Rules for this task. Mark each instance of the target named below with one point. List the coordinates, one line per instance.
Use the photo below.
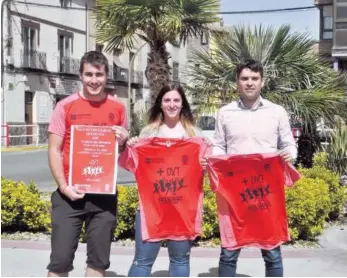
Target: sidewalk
(30, 258)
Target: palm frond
(294, 75)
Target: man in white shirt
(252, 125)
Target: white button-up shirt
(261, 129)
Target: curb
(197, 252)
(18, 149)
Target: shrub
(127, 207)
(337, 192)
(337, 151)
(320, 159)
(308, 205)
(22, 209)
(210, 227)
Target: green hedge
(22, 209)
(309, 203)
(336, 192)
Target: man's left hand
(285, 155)
(121, 134)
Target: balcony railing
(33, 59)
(122, 75)
(68, 65)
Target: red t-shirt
(75, 110)
(251, 199)
(169, 179)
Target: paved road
(33, 165)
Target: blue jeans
(147, 252)
(272, 258)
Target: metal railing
(24, 135)
(5, 135)
(33, 59)
(68, 65)
(122, 74)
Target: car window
(206, 123)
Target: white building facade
(43, 42)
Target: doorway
(29, 116)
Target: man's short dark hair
(94, 58)
(253, 65)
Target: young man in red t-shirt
(71, 207)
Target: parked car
(207, 125)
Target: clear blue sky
(302, 21)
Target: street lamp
(129, 81)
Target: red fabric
(169, 179)
(74, 110)
(253, 188)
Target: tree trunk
(158, 69)
(308, 144)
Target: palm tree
(120, 23)
(295, 77)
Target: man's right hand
(72, 193)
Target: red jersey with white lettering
(170, 184)
(75, 110)
(251, 199)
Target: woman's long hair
(156, 115)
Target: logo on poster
(92, 171)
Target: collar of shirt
(242, 106)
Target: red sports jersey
(251, 199)
(169, 179)
(75, 110)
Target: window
(175, 71)
(29, 39)
(327, 23)
(341, 11)
(65, 43)
(65, 3)
(328, 28)
(65, 47)
(30, 36)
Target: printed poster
(93, 159)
